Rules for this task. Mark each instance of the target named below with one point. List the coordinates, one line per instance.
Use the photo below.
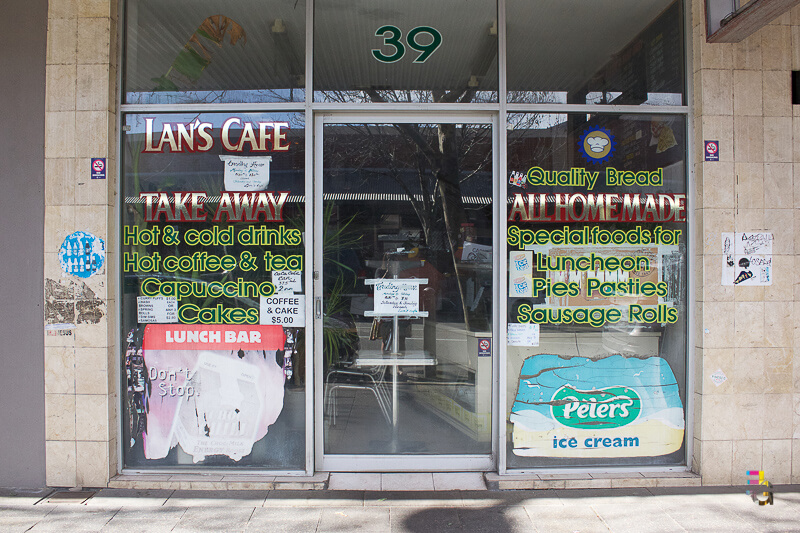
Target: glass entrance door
(404, 218)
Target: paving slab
(439, 519)
(347, 519)
(313, 498)
(145, 519)
(116, 498)
(214, 519)
(642, 518)
(215, 498)
(574, 516)
(284, 519)
(17, 518)
(74, 517)
(495, 519)
(412, 498)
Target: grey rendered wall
(22, 88)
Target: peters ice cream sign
(611, 407)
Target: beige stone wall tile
(113, 459)
(716, 221)
(62, 36)
(778, 416)
(796, 173)
(717, 87)
(59, 135)
(60, 87)
(87, 190)
(93, 219)
(91, 371)
(92, 134)
(748, 294)
(747, 53)
(93, 41)
(714, 56)
(718, 180)
(59, 186)
(111, 316)
(91, 413)
(783, 279)
(779, 324)
(59, 413)
(749, 220)
(59, 222)
(796, 277)
(92, 464)
(795, 461)
(717, 128)
(93, 87)
(749, 319)
(713, 290)
(93, 335)
(697, 455)
(778, 145)
(699, 340)
(777, 93)
(780, 223)
(59, 370)
(748, 373)
(778, 182)
(747, 92)
(749, 185)
(746, 456)
(776, 45)
(94, 8)
(715, 463)
(795, 31)
(745, 416)
(718, 327)
(715, 359)
(776, 459)
(60, 464)
(796, 417)
(748, 139)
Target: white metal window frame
(318, 113)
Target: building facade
(324, 237)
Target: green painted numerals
(392, 35)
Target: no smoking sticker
(484, 347)
(712, 150)
(98, 168)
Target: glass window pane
(207, 51)
(414, 51)
(621, 52)
(597, 303)
(407, 288)
(212, 290)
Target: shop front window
(212, 52)
(411, 52)
(213, 292)
(597, 290)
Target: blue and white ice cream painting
(611, 407)
(82, 254)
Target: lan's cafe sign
(616, 406)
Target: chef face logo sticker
(596, 145)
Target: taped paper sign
(284, 309)
(612, 407)
(396, 297)
(157, 309)
(213, 389)
(747, 259)
(476, 253)
(523, 334)
(287, 280)
(245, 174)
(520, 274)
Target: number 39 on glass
(392, 36)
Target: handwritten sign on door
(396, 297)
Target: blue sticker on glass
(82, 254)
(597, 145)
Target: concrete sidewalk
(701, 509)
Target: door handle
(317, 307)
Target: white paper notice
(287, 310)
(476, 253)
(396, 297)
(157, 309)
(520, 274)
(287, 280)
(245, 174)
(523, 334)
(747, 259)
